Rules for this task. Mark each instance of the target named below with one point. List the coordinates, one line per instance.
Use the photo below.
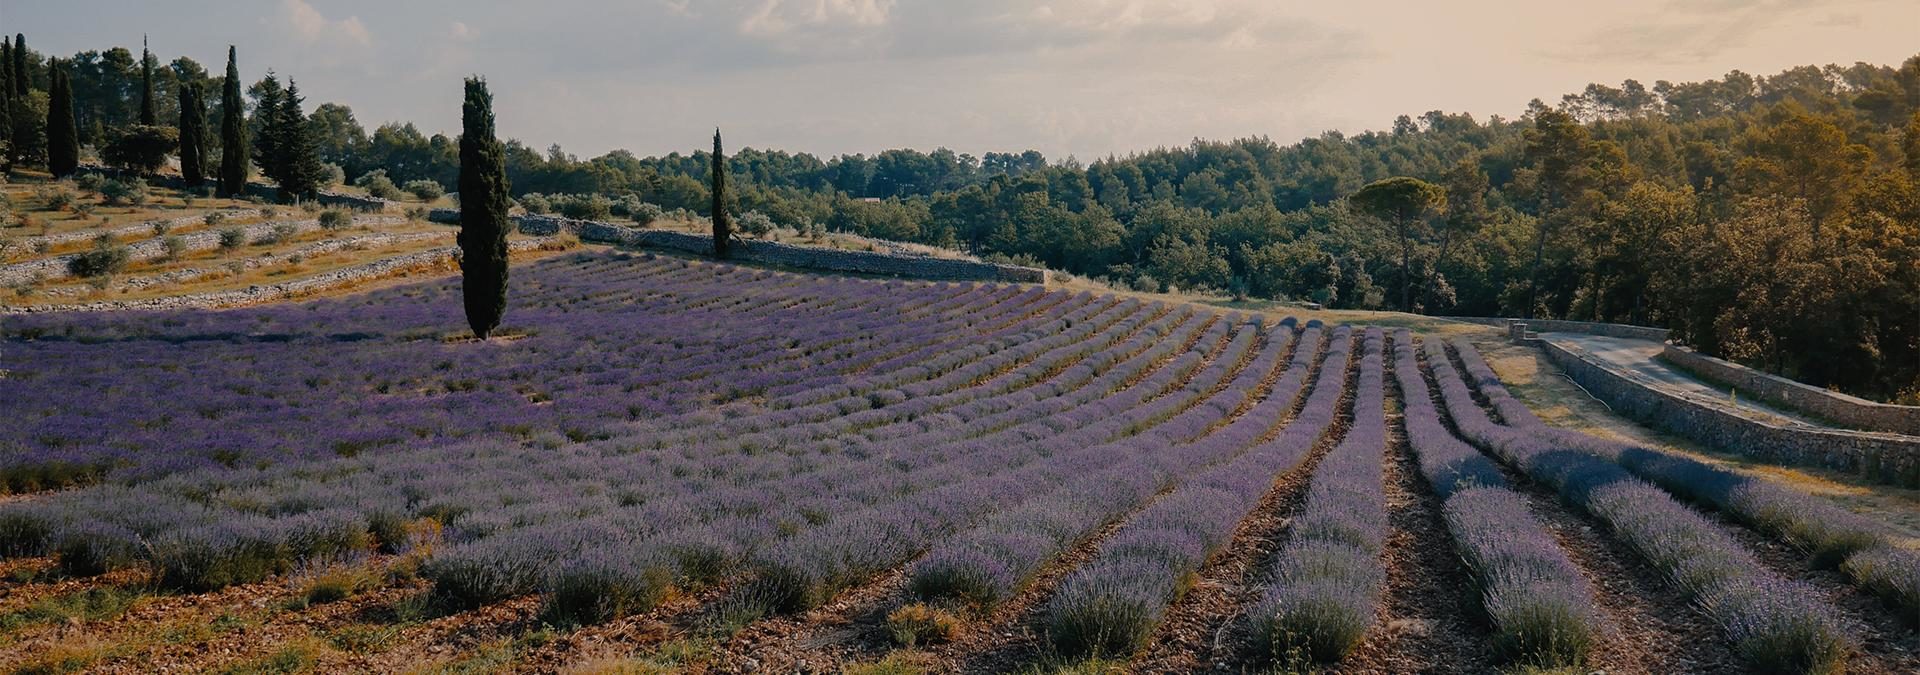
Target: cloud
(1684, 31)
(459, 31)
(314, 28)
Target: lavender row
(989, 563)
(1113, 603)
(1831, 536)
(1540, 605)
(1775, 624)
(1329, 576)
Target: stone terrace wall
(1842, 409)
(1879, 457)
(262, 190)
(774, 253)
(1618, 330)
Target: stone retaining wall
(261, 190)
(253, 295)
(145, 229)
(1879, 457)
(55, 267)
(773, 253)
(1842, 409)
(1618, 330)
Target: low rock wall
(1841, 409)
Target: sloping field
(669, 465)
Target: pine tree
(299, 157)
(264, 128)
(63, 136)
(722, 225)
(483, 212)
(193, 133)
(233, 132)
(146, 85)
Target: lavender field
(661, 463)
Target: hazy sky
(1080, 77)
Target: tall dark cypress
(147, 116)
(6, 97)
(193, 133)
(63, 136)
(722, 225)
(233, 132)
(483, 212)
(20, 75)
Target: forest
(1773, 220)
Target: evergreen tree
(264, 127)
(6, 96)
(298, 158)
(483, 212)
(722, 225)
(63, 136)
(233, 132)
(146, 85)
(20, 74)
(23, 128)
(193, 133)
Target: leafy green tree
(1406, 205)
(1559, 148)
(264, 128)
(722, 223)
(141, 148)
(233, 132)
(193, 133)
(483, 212)
(63, 138)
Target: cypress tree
(6, 96)
(299, 158)
(20, 74)
(265, 129)
(483, 212)
(63, 136)
(233, 132)
(722, 226)
(146, 85)
(193, 133)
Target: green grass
(93, 604)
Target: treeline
(1770, 219)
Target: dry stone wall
(775, 253)
(1840, 408)
(253, 295)
(55, 267)
(1588, 327)
(1881, 457)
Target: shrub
(280, 233)
(141, 147)
(214, 218)
(56, 197)
(646, 213)
(232, 238)
(1891, 573)
(334, 219)
(418, 214)
(585, 207)
(130, 192)
(921, 624)
(425, 190)
(377, 184)
(174, 247)
(94, 549)
(216, 556)
(84, 209)
(535, 203)
(90, 182)
(106, 259)
(755, 223)
(331, 175)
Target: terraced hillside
(668, 465)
